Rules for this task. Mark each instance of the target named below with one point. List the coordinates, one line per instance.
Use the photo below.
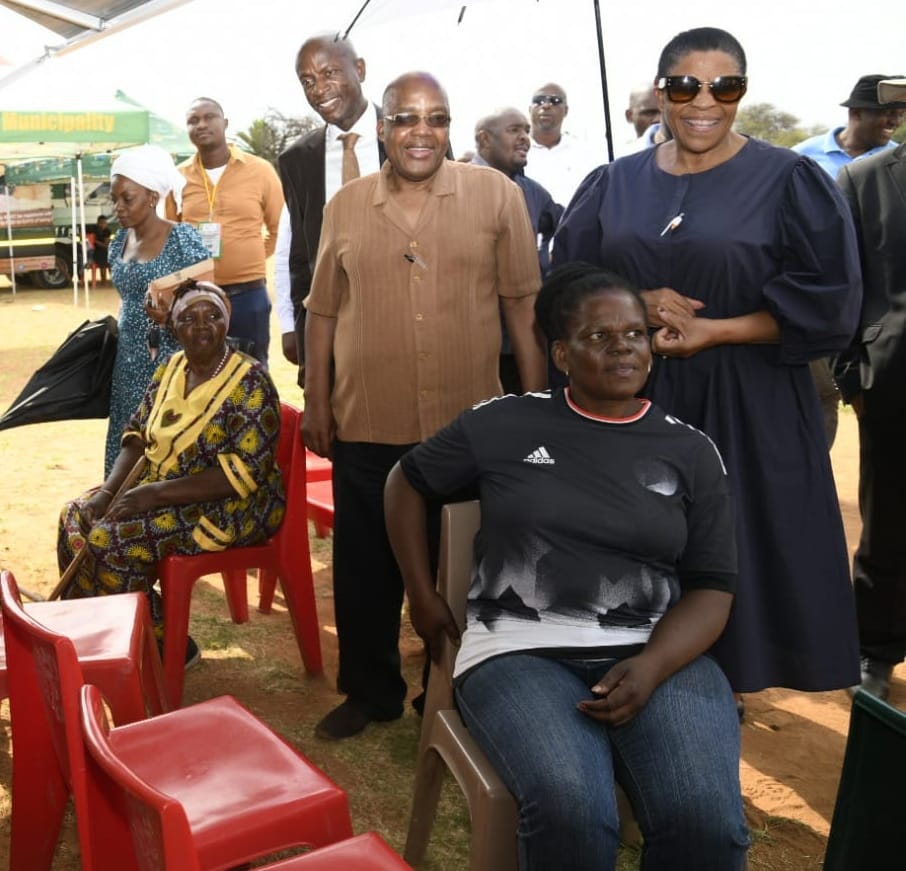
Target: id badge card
(211, 238)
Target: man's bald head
(643, 110)
(331, 74)
(547, 110)
(502, 140)
(391, 98)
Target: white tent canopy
(81, 23)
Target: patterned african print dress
(134, 364)
(231, 422)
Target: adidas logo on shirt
(540, 457)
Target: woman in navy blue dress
(749, 267)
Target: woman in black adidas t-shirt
(605, 568)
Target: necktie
(350, 161)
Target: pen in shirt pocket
(673, 223)
(414, 258)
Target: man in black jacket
(314, 167)
(872, 376)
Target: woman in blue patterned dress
(146, 247)
(208, 428)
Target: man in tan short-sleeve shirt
(413, 265)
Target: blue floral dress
(134, 365)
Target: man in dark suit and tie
(314, 167)
(873, 378)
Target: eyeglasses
(553, 99)
(683, 89)
(410, 119)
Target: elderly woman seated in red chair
(205, 438)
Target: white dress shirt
(366, 152)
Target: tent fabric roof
(101, 11)
(94, 15)
(81, 23)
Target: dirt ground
(793, 742)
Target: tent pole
(72, 233)
(84, 236)
(600, 34)
(9, 238)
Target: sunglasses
(683, 89)
(541, 99)
(410, 119)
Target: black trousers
(879, 567)
(368, 588)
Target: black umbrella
(74, 383)
(599, 31)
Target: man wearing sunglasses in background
(558, 160)
(872, 375)
(314, 168)
(414, 263)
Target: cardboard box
(160, 291)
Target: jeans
(250, 319)
(677, 760)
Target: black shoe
(876, 677)
(418, 704)
(343, 721)
(349, 719)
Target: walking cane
(63, 586)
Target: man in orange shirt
(231, 196)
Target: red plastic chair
(247, 793)
(320, 506)
(210, 782)
(367, 852)
(317, 468)
(286, 556)
(162, 834)
(114, 644)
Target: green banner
(87, 127)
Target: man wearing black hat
(872, 376)
(868, 130)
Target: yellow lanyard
(210, 192)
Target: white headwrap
(151, 167)
(204, 291)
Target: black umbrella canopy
(456, 10)
(74, 383)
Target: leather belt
(232, 290)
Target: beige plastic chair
(445, 741)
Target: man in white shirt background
(558, 160)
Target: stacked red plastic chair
(246, 792)
(113, 642)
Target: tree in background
(270, 135)
(764, 121)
